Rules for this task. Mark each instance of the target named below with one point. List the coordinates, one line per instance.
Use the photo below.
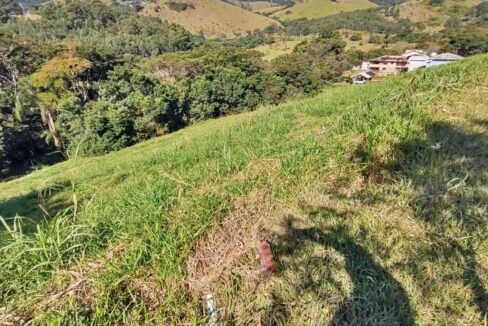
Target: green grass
(374, 200)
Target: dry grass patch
(214, 18)
(225, 262)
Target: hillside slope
(214, 18)
(434, 17)
(373, 198)
(321, 8)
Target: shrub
(356, 37)
(180, 6)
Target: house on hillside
(363, 77)
(386, 65)
(410, 60)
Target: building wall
(413, 65)
(434, 63)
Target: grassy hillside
(256, 6)
(373, 198)
(434, 16)
(281, 47)
(321, 8)
(214, 18)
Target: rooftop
(446, 56)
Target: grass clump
(374, 199)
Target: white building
(410, 60)
(363, 77)
(418, 61)
(413, 52)
(443, 58)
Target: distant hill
(433, 14)
(214, 18)
(321, 8)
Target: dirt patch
(228, 249)
(226, 264)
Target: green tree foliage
(313, 63)
(20, 142)
(356, 37)
(465, 40)
(55, 73)
(15, 143)
(9, 8)
(117, 28)
(59, 82)
(370, 20)
(104, 128)
(179, 6)
(218, 81)
(479, 13)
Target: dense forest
(87, 78)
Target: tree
(479, 13)
(18, 58)
(466, 40)
(356, 37)
(9, 8)
(57, 82)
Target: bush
(376, 39)
(180, 6)
(356, 37)
(106, 128)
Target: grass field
(272, 51)
(214, 18)
(374, 199)
(321, 8)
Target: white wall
(434, 63)
(413, 65)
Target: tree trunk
(53, 130)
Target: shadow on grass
(449, 169)
(376, 298)
(35, 206)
